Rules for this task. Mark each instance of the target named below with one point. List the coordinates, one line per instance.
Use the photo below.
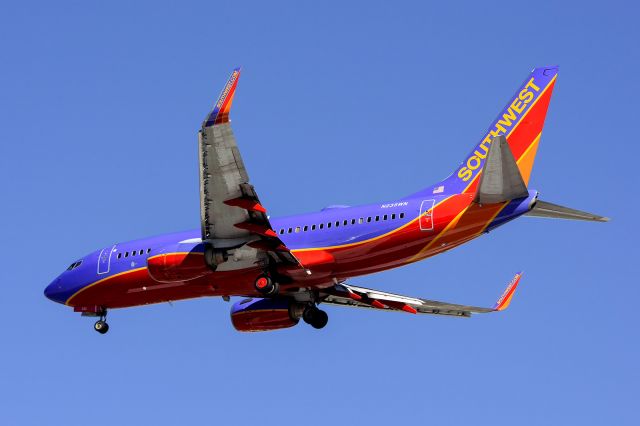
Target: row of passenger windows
(133, 253)
(344, 222)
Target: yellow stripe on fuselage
(370, 239)
(99, 281)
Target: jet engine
(176, 263)
(256, 314)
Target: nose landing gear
(101, 325)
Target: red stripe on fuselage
(456, 220)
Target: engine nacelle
(252, 315)
(176, 263)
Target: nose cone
(55, 292)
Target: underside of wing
(359, 297)
(231, 215)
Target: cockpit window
(74, 265)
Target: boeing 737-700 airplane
(285, 267)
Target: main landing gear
(266, 286)
(315, 317)
(101, 325)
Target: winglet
(505, 299)
(220, 112)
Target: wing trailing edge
(358, 297)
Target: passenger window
(148, 251)
(361, 220)
(126, 254)
(329, 225)
(306, 228)
(401, 215)
(384, 217)
(133, 253)
(297, 229)
(377, 218)
(119, 255)
(290, 230)
(337, 223)
(393, 216)
(321, 225)
(313, 227)
(369, 219)
(353, 221)
(281, 230)
(345, 222)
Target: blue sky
(339, 103)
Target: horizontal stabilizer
(544, 209)
(500, 179)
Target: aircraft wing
(358, 297)
(230, 212)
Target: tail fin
(544, 209)
(521, 121)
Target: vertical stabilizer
(521, 122)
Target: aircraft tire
(315, 317)
(101, 326)
(320, 319)
(265, 285)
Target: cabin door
(426, 215)
(104, 260)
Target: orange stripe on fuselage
(467, 225)
(456, 221)
(409, 225)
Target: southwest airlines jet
(283, 268)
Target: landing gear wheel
(266, 286)
(315, 317)
(101, 326)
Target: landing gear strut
(265, 285)
(101, 325)
(315, 317)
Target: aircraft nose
(54, 291)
